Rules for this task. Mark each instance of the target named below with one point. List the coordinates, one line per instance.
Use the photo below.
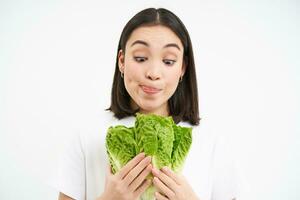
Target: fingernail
(142, 154)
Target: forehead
(156, 36)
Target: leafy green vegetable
(157, 136)
(120, 145)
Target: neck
(159, 112)
(162, 111)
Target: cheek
(132, 78)
(133, 73)
(171, 80)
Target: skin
(156, 60)
(154, 65)
(171, 186)
(127, 184)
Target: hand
(171, 186)
(130, 182)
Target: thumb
(108, 174)
(109, 170)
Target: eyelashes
(169, 62)
(140, 59)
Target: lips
(149, 89)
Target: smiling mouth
(150, 90)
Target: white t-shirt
(210, 167)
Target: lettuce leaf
(157, 136)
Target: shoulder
(94, 127)
(105, 117)
(202, 150)
(203, 134)
(207, 138)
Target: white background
(56, 65)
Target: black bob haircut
(183, 104)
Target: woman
(155, 73)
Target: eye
(169, 62)
(140, 59)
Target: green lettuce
(160, 137)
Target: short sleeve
(228, 179)
(70, 178)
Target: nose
(153, 72)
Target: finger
(137, 170)
(159, 196)
(109, 174)
(142, 188)
(171, 174)
(165, 179)
(139, 180)
(162, 187)
(131, 164)
(109, 170)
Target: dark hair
(183, 104)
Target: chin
(148, 108)
(151, 106)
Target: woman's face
(152, 66)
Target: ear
(121, 60)
(183, 68)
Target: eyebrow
(146, 44)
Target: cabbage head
(160, 137)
